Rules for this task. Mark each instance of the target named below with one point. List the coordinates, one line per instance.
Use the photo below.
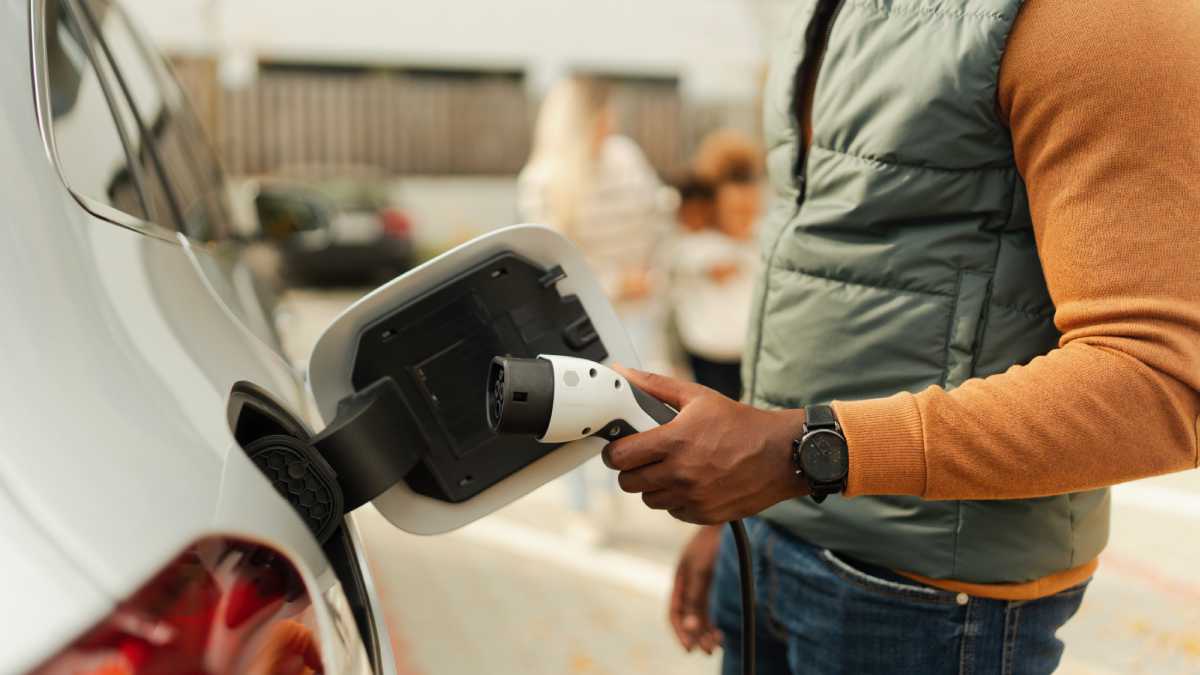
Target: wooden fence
(405, 122)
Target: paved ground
(513, 594)
(502, 598)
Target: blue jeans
(819, 613)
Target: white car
(140, 367)
(127, 511)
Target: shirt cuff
(887, 446)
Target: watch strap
(820, 417)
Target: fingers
(675, 613)
(695, 623)
(689, 622)
(688, 515)
(710, 638)
(676, 504)
(660, 500)
(638, 450)
(675, 393)
(648, 447)
(645, 479)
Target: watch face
(823, 457)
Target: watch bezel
(800, 457)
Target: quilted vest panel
(899, 255)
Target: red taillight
(395, 223)
(221, 606)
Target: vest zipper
(805, 83)
(816, 40)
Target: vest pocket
(962, 339)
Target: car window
(159, 109)
(88, 138)
(204, 157)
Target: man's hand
(689, 596)
(719, 460)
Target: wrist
(788, 426)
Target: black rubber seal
(303, 478)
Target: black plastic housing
(520, 395)
(439, 347)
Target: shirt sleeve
(1103, 100)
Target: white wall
(716, 47)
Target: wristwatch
(820, 457)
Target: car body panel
(332, 363)
(119, 356)
(47, 599)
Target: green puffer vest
(898, 255)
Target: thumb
(673, 392)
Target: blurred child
(715, 259)
(696, 204)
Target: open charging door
(519, 291)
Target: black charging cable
(746, 573)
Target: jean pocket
(896, 588)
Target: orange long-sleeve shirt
(1103, 100)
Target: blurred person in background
(695, 212)
(714, 260)
(597, 187)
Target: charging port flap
(414, 356)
